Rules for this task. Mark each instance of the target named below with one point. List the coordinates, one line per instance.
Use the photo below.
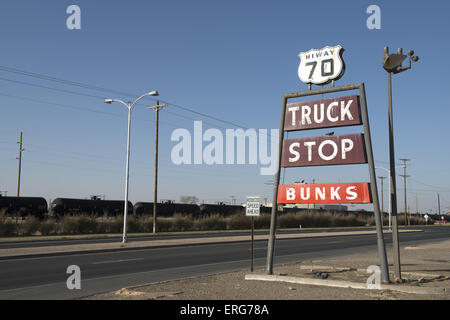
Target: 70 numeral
(324, 73)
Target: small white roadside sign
(252, 207)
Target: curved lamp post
(392, 63)
(130, 106)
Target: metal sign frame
(370, 162)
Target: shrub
(48, 227)
(77, 225)
(133, 224)
(30, 226)
(162, 224)
(262, 222)
(114, 225)
(211, 222)
(87, 224)
(289, 220)
(7, 227)
(182, 223)
(238, 222)
(146, 224)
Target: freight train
(65, 206)
(23, 206)
(33, 206)
(37, 206)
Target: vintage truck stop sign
(325, 65)
(320, 66)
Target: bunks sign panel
(324, 193)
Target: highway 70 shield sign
(320, 66)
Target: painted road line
(117, 261)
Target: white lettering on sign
(290, 193)
(351, 192)
(346, 146)
(323, 113)
(324, 150)
(335, 193)
(252, 206)
(357, 192)
(319, 115)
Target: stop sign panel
(325, 150)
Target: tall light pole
(392, 63)
(129, 106)
(155, 189)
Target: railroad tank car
(221, 209)
(68, 206)
(24, 206)
(166, 209)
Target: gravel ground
(422, 261)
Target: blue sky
(231, 60)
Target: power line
(64, 81)
(97, 88)
(80, 108)
(429, 185)
(85, 95)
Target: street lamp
(392, 63)
(130, 106)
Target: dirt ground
(422, 266)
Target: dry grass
(85, 224)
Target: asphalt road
(45, 277)
(62, 242)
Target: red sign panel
(324, 193)
(324, 113)
(325, 150)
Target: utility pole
(155, 189)
(382, 198)
(20, 163)
(439, 206)
(409, 215)
(417, 204)
(404, 175)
